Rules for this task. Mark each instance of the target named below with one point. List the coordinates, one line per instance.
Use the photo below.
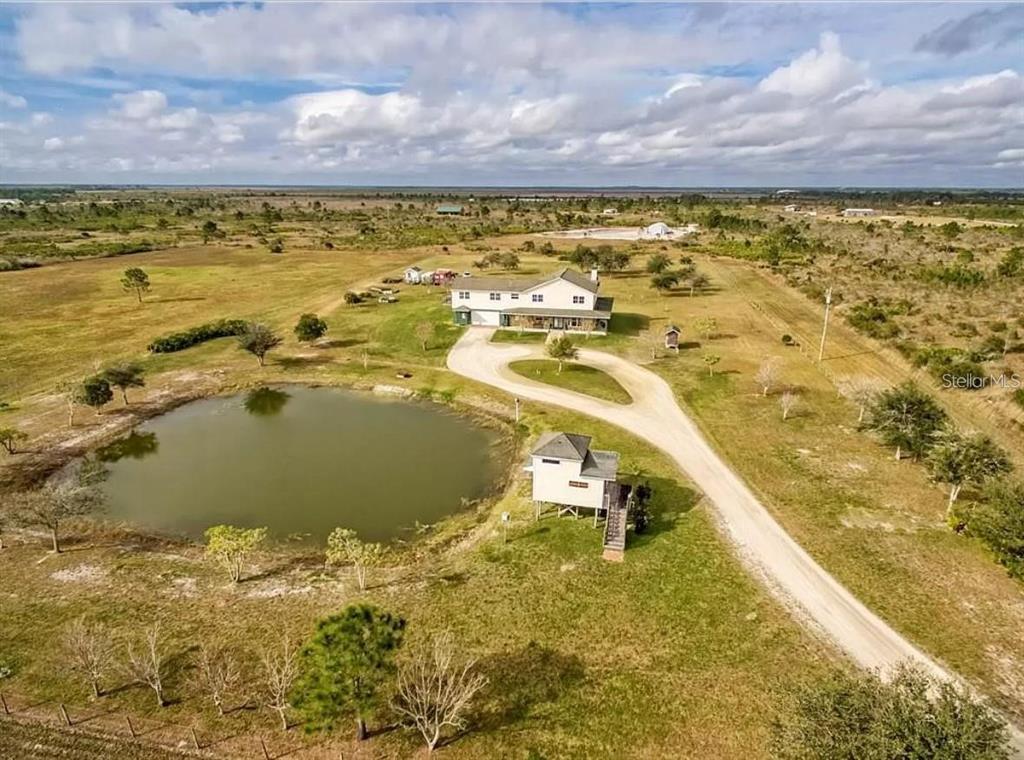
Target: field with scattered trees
(903, 483)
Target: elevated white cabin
(413, 275)
(567, 472)
(566, 300)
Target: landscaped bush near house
(179, 341)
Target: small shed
(672, 334)
(413, 275)
(449, 209)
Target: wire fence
(107, 723)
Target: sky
(361, 93)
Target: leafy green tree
(861, 717)
(94, 392)
(310, 327)
(965, 460)
(345, 548)
(906, 418)
(562, 349)
(346, 666)
(124, 376)
(658, 263)
(135, 281)
(230, 547)
(697, 281)
(663, 282)
(209, 230)
(11, 438)
(999, 522)
(258, 340)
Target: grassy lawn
(678, 651)
(514, 336)
(573, 377)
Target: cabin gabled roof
(570, 446)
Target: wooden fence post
(3, 704)
(195, 738)
(64, 714)
(131, 728)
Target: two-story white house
(567, 472)
(566, 300)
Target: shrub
(179, 341)
(999, 522)
(787, 340)
(873, 319)
(351, 297)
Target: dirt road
(763, 545)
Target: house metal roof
(563, 446)
(523, 284)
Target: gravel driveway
(763, 545)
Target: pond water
(300, 461)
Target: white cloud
(823, 72)
(10, 100)
(53, 143)
(142, 104)
(496, 93)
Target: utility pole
(517, 409)
(824, 329)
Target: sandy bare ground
(611, 233)
(763, 545)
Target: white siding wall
(558, 295)
(481, 299)
(551, 484)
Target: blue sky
(571, 94)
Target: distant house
(610, 212)
(449, 209)
(566, 300)
(413, 275)
(567, 472)
(11, 202)
(672, 334)
(791, 208)
(853, 212)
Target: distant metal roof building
(449, 208)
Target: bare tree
(789, 401)
(146, 663)
(90, 652)
(217, 673)
(861, 391)
(280, 669)
(48, 507)
(434, 691)
(424, 333)
(768, 374)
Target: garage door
(488, 318)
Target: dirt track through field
(790, 572)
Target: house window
(495, 296)
(551, 461)
(537, 298)
(464, 295)
(578, 484)
(515, 296)
(578, 299)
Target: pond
(300, 461)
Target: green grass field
(573, 377)
(677, 650)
